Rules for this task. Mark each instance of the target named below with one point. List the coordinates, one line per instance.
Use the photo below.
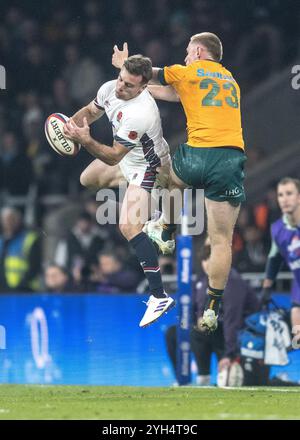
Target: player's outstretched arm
(109, 155)
(165, 93)
(155, 73)
(90, 112)
(119, 56)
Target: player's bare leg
(162, 231)
(170, 215)
(221, 218)
(100, 175)
(134, 212)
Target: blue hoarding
(89, 339)
(82, 339)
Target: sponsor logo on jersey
(219, 75)
(294, 253)
(295, 245)
(119, 116)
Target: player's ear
(143, 88)
(199, 49)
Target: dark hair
(85, 216)
(286, 180)
(109, 253)
(212, 43)
(63, 269)
(139, 65)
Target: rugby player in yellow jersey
(213, 156)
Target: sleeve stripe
(161, 77)
(97, 105)
(124, 142)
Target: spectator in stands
(58, 280)
(58, 57)
(156, 51)
(254, 156)
(108, 232)
(36, 71)
(244, 219)
(260, 50)
(266, 211)
(20, 254)
(60, 99)
(82, 74)
(167, 265)
(79, 250)
(253, 255)
(16, 173)
(34, 137)
(239, 301)
(110, 276)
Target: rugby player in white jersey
(139, 154)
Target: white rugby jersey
(136, 124)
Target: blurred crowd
(96, 258)
(56, 56)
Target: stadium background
(56, 56)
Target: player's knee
(124, 229)
(129, 231)
(222, 240)
(87, 180)
(84, 179)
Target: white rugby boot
(154, 231)
(208, 322)
(156, 307)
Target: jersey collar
(287, 223)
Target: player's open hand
(119, 56)
(77, 134)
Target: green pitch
(114, 403)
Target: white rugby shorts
(141, 174)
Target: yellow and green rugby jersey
(211, 100)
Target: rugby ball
(55, 135)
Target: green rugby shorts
(218, 170)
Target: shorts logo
(132, 135)
(119, 116)
(232, 192)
